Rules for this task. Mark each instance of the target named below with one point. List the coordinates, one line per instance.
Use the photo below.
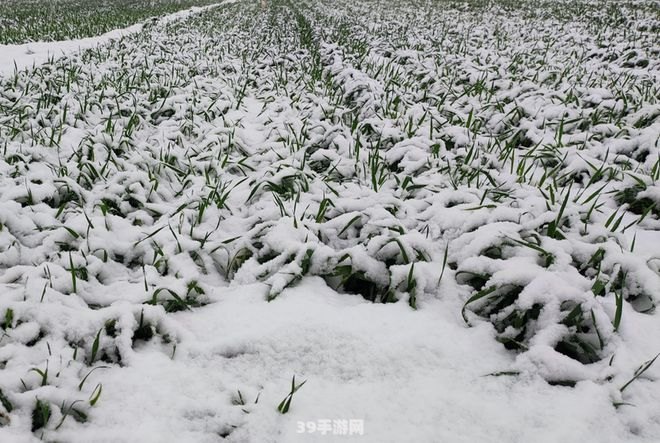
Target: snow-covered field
(443, 217)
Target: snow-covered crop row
(23, 21)
(499, 160)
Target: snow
(388, 212)
(393, 368)
(27, 55)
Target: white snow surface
(411, 376)
(176, 221)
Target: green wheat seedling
(96, 394)
(639, 372)
(40, 415)
(42, 373)
(6, 403)
(238, 400)
(70, 410)
(285, 404)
